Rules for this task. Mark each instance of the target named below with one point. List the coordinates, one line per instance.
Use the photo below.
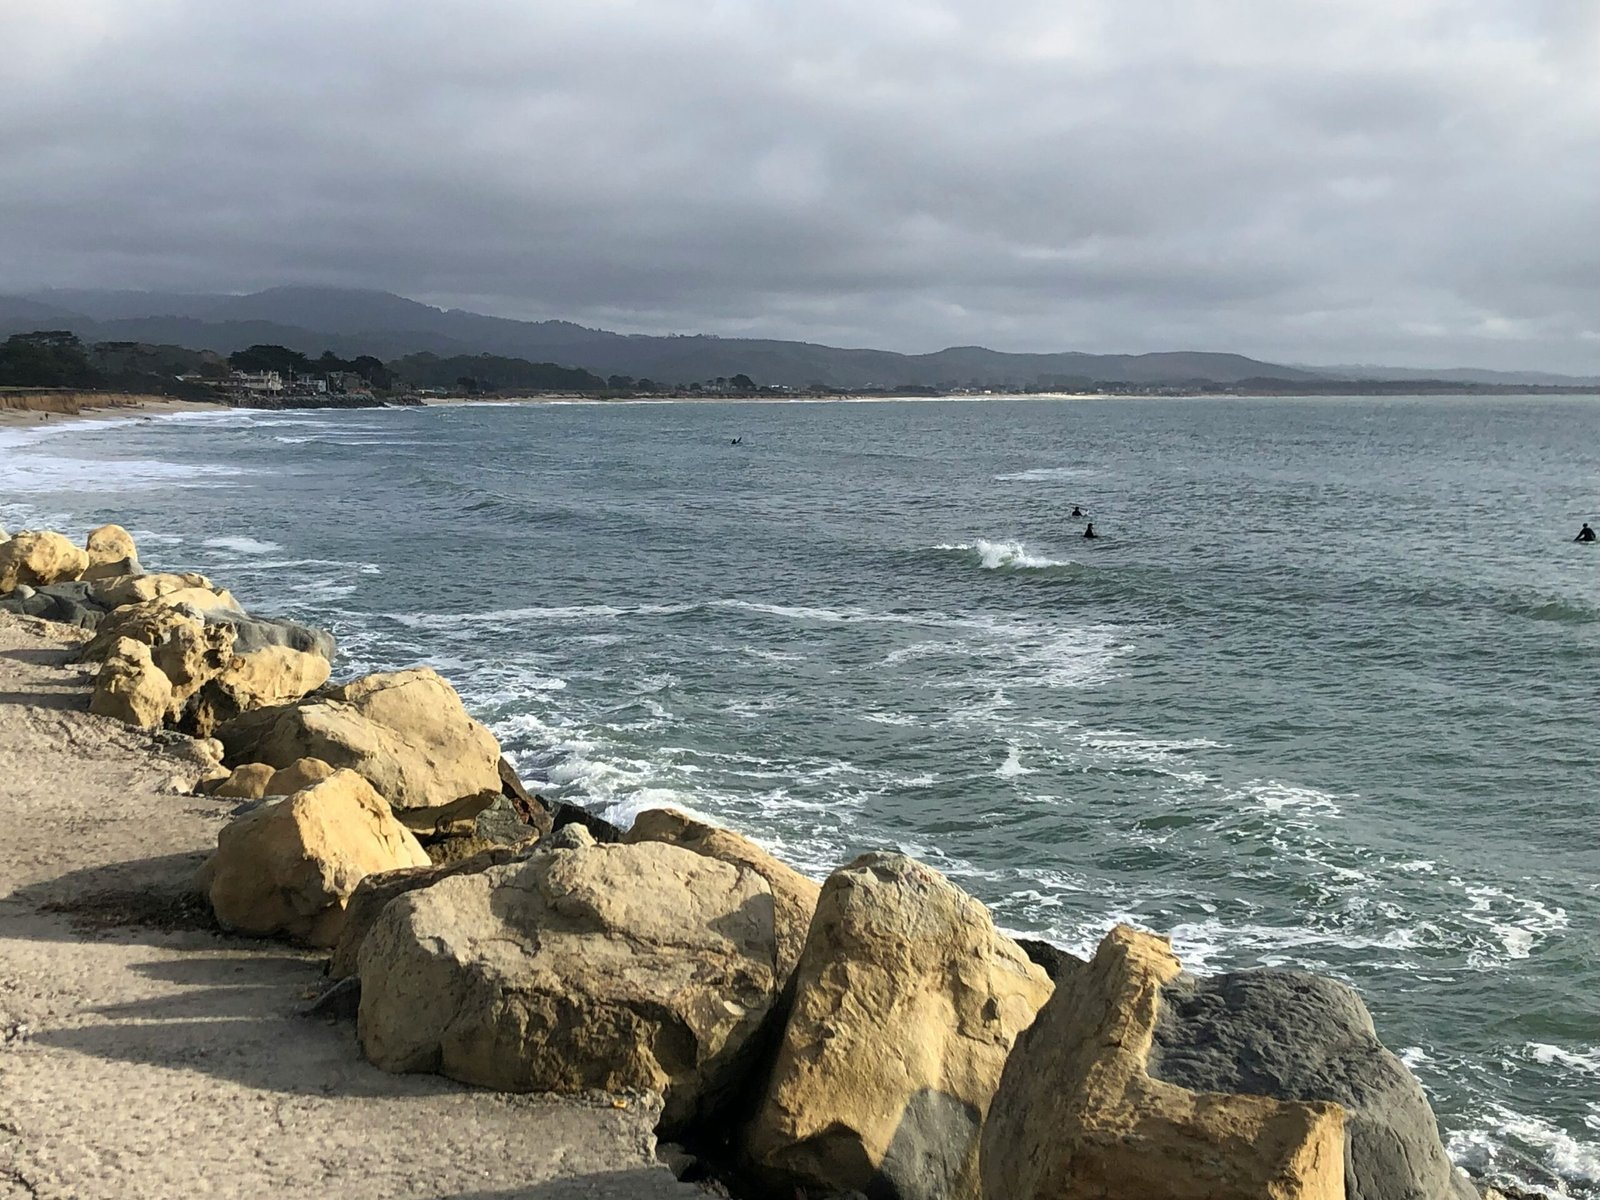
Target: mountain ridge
(367, 321)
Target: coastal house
(258, 381)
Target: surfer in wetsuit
(1585, 534)
(1076, 511)
(1088, 531)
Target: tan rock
(794, 896)
(1077, 1113)
(36, 559)
(111, 544)
(406, 732)
(122, 568)
(135, 589)
(288, 868)
(906, 1003)
(642, 967)
(130, 687)
(250, 781)
(271, 675)
(375, 891)
(302, 773)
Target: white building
(261, 381)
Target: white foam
(1012, 768)
(510, 616)
(995, 556)
(1562, 1153)
(1276, 797)
(242, 545)
(1517, 926)
(1587, 1061)
(1042, 474)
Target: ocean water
(1323, 695)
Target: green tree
(270, 358)
(45, 358)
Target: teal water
(1324, 694)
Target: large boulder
(907, 1001)
(67, 603)
(253, 634)
(116, 591)
(269, 676)
(298, 775)
(406, 732)
(112, 545)
(195, 636)
(287, 867)
(131, 688)
(1078, 1113)
(248, 781)
(374, 892)
(159, 619)
(1296, 1036)
(794, 897)
(38, 558)
(609, 968)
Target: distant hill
(351, 322)
(1459, 375)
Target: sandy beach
(88, 406)
(145, 1054)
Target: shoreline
(78, 406)
(126, 876)
(146, 1053)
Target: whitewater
(1321, 695)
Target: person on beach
(1585, 534)
(1088, 531)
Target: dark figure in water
(737, 441)
(1585, 534)
(1076, 511)
(1088, 531)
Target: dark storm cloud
(1297, 179)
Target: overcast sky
(1415, 182)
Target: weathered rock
(191, 654)
(269, 676)
(122, 568)
(406, 732)
(502, 825)
(375, 891)
(1296, 1036)
(288, 867)
(1078, 1114)
(68, 603)
(535, 813)
(136, 589)
(573, 837)
(794, 897)
(250, 781)
(253, 634)
(131, 688)
(111, 544)
(608, 967)
(906, 1003)
(298, 775)
(603, 831)
(39, 558)
(160, 620)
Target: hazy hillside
(351, 322)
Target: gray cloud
(1307, 180)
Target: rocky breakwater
(875, 1036)
(174, 651)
